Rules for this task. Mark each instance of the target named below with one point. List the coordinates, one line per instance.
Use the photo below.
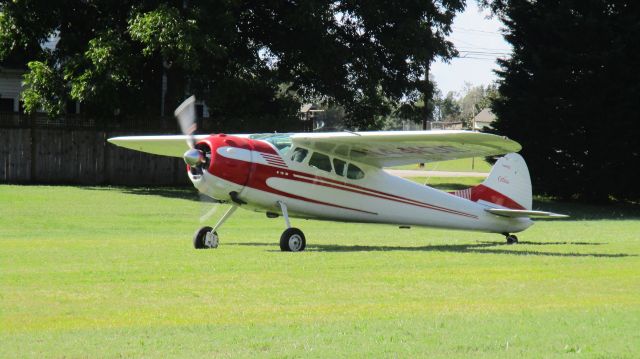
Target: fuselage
(323, 185)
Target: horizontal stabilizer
(516, 213)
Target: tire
(199, 237)
(292, 240)
(511, 239)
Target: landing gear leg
(292, 239)
(207, 237)
(511, 238)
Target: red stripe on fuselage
(262, 173)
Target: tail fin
(507, 186)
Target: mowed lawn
(110, 272)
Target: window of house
(320, 161)
(353, 172)
(299, 154)
(339, 165)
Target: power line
(484, 52)
(492, 49)
(464, 29)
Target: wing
(173, 145)
(394, 148)
(516, 213)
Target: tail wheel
(292, 240)
(511, 239)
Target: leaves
(367, 57)
(164, 30)
(44, 89)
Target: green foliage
(7, 42)
(163, 30)
(448, 108)
(569, 94)
(366, 57)
(474, 100)
(44, 88)
(101, 72)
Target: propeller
(186, 115)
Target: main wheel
(205, 238)
(292, 240)
(512, 239)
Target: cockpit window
(353, 172)
(299, 154)
(320, 161)
(339, 165)
(281, 141)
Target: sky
(479, 41)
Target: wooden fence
(81, 156)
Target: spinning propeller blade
(186, 115)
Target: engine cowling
(227, 166)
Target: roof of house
(485, 116)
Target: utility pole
(427, 96)
(473, 129)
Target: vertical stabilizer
(508, 185)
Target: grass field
(110, 272)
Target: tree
(569, 94)
(113, 56)
(448, 108)
(463, 107)
(474, 100)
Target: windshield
(282, 141)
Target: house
(483, 119)
(10, 89)
(311, 117)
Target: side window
(299, 154)
(339, 166)
(320, 161)
(354, 172)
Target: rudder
(508, 185)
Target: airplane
(340, 176)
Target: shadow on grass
(187, 192)
(550, 243)
(480, 247)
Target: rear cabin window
(353, 172)
(320, 161)
(299, 154)
(339, 166)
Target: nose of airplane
(193, 157)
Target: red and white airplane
(340, 177)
